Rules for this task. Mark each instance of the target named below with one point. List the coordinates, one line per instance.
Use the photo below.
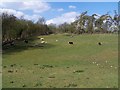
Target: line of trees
(14, 28)
(90, 24)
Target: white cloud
(66, 17)
(35, 6)
(64, 0)
(60, 9)
(32, 17)
(8, 0)
(2, 5)
(19, 14)
(71, 6)
(11, 11)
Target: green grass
(60, 65)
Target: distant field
(60, 65)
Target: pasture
(57, 64)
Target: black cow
(12, 43)
(99, 43)
(70, 42)
(26, 41)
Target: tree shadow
(21, 46)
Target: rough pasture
(60, 65)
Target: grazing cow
(42, 39)
(26, 41)
(70, 42)
(99, 43)
(12, 43)
(42, 42)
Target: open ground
(57, 64)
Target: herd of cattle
(12, 42)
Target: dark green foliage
(14, 28)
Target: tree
(8, 26)
(89, 21)
(84, 23)
(99, 22)
(41, 21)
(53, 28)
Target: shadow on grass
(21, 46)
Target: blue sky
(91, 7)
(57, 12)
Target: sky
(56, 12)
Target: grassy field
(60, 65)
